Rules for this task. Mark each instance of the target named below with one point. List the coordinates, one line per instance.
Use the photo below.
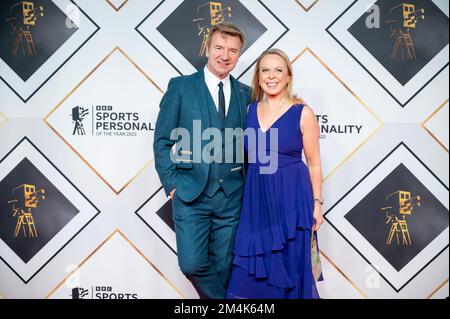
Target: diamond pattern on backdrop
(185, 51)
(97, 121)
(404, 51)
(437, 125)
(42, 210)
(396, 217)
(38, 38)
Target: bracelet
(319, 200)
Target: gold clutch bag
(315, 258)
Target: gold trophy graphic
(401, 204)
(24, 16)
(405, 17)
(28, 199)
(215, 14)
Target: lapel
(237, 92)
(241, 100)
(202, 96)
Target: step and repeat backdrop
(82, 211)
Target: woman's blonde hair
(258, 93)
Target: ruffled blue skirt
(272, 252)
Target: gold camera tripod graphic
(405, 18)
(22, 209)
(25, 16)
(401, 205)
(216, 15)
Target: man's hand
(172, 193)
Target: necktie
(221, 103)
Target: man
(206, 197)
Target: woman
(281, 211)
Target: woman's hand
(318, 217)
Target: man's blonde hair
(227, 28)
